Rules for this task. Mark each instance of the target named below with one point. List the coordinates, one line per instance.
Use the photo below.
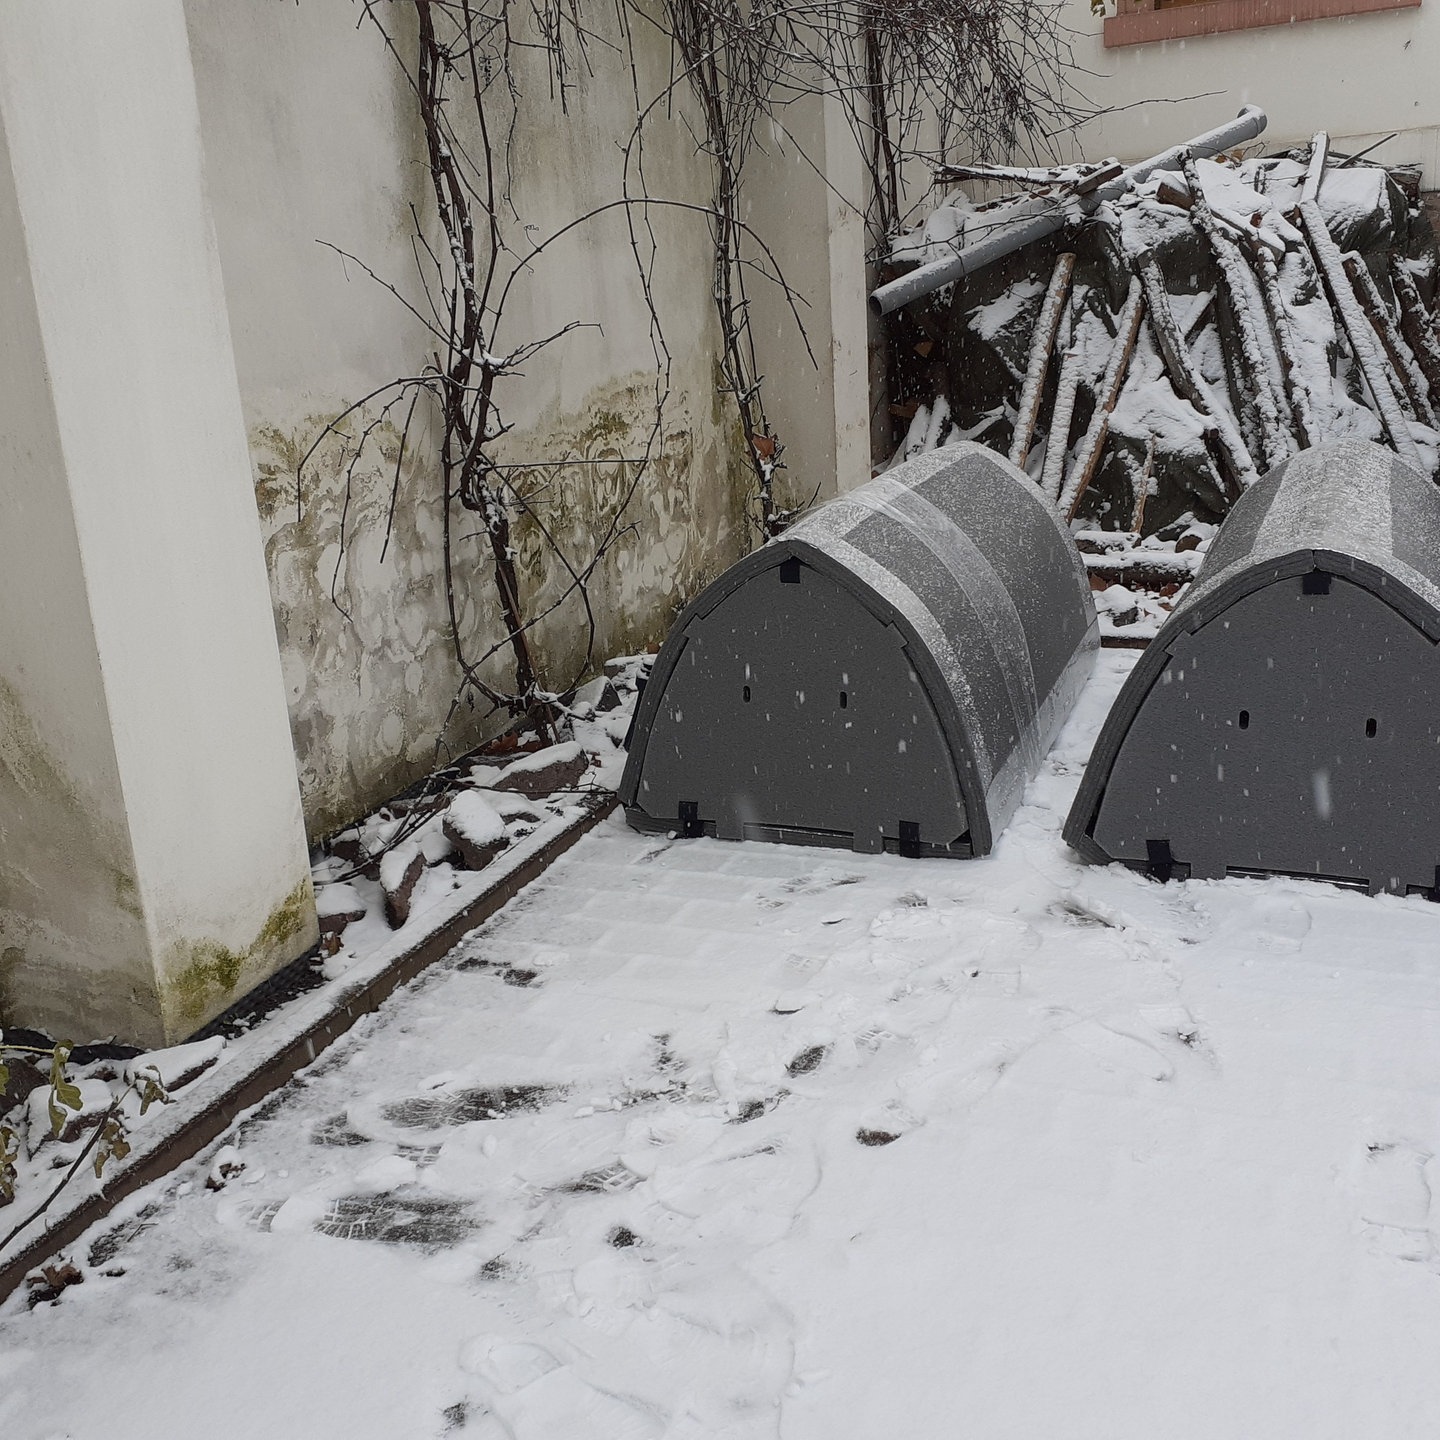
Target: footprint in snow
(1116, 1051)
(1395, 1201)
(886, 1124)
(536, 1396)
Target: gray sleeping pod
(886, 675)
(1286, 719)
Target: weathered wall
(292, 161)
(152, 856)
(1357, 77)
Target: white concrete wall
(72, 938)
(310, 136)
(805, 196)
(1358, 77)
(155, 622)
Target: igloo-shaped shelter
(1286, 719)
(886, 675)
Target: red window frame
(1138, 22)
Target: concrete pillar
(152, 851)
(805, 192)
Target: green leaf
(114, 1142)
(65, 1093)
(62, 1091)
(9, 1152)
(152, 1092)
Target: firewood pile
(1160, 351)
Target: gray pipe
(926, 279)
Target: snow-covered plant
(110, 1136)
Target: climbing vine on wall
(914, 79)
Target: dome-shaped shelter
(1286, 719)
(885, 675)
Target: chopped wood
(1412, 389)
(1261, 359)
(1081, 179)
(1169, 194)
(1198, 317)
(1052, 477)
(1016, 174)
(1357, 329)
(1407, 180)
(1142, 490)
(1297, 392)
(1415, 325)
(1042, 341)
(1232, 460)
(1144, 569)
(1319, 149)
(1113, 170)
(1116, 368)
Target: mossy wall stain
(362, 621)
(360, 610)
(76, 952)
(671, 525)
(202, 977)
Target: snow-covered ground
(711, 1140)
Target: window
(1137, 22)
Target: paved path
(711, 1140)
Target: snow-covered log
(1232, 459)
(1415, 326)
(1297, 390)
(1142, 489)
(1088, 457)
(1041, 343)
(1265, 391)
(1412, 388)
(1052, 478)
(1319, 151)
(1357, 329)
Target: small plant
(109, 1139)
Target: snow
(537, 760)
(940, 237)
(178, 1064)
(1014, 305)
(1235, 200)
(1350, 196)
(1148, 405)
(475, 819)
(1050, 1147)
(338, 899)
(395, 864)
